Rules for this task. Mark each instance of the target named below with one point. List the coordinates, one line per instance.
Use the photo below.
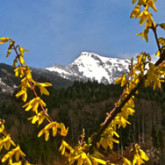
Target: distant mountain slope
(91, 66)
(8, 81)
(88, 66)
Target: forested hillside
(84, 105)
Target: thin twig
(156, 37)
(116, 110)
(33, 88)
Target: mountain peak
(90, 54)
(91, 66)
(97, 56)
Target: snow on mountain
(91, 66)
(5, 84)
(9, 83)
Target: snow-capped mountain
(88, 66)
(91, 66)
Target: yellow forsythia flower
(38, 117)
(4, 39)
(23, 93)
(42, 88)
(126, 161)
(34, 104)
(16, 151)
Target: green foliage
(71, 106)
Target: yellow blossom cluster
(14, 155)
(144, 15)
(36, 104)
(142, 72)
(79, 154)
(121, 120)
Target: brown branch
(33, 88)
(156, 37)
(116, 110)
(42, 108)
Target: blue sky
(57, 31)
